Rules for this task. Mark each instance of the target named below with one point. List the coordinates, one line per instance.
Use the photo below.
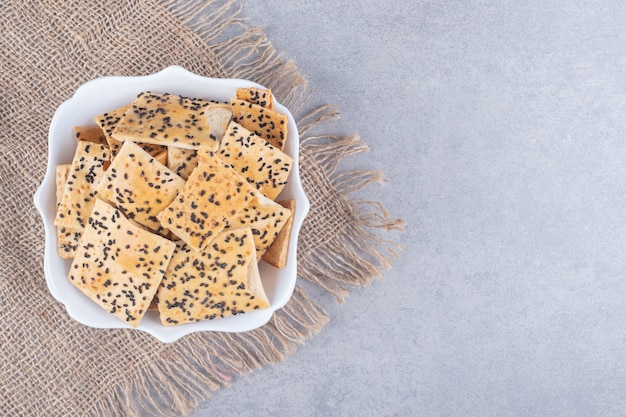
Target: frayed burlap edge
(243, 51)
(190, 369)
(358, 252)
(187, 372)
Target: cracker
(183, 161)
(264, 166)
(218, 116)
(61, 173)
(168, 120)
(268, 124)
(107, 123)
(265, 217)
(153, 305)
(67, 238)
(93, 134)
(159, 152)
(262, 97)
(139, 186)
(87, 168)
(213, 194)
(222, 280)
(119, 266)
(161, 157)
(277, 253)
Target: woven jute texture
(53, 366)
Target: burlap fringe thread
(358, 253)
(181, 381)
(242, 50)
(355, 256)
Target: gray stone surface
(500, 127)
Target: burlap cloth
(52, 366)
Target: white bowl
(103, 94)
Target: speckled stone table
(501, 128)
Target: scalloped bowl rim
(104, 94)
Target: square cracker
(139, 185)
(108, 121)
(266, 219)
(277, 253)
(268, 124)
(222, 280)
(118, 265)
(213, 194)
(264, 166)
(67, 238)
(168, 120)
(88, 166)
(262, 97)
(183, 161)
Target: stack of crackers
(170, 203)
